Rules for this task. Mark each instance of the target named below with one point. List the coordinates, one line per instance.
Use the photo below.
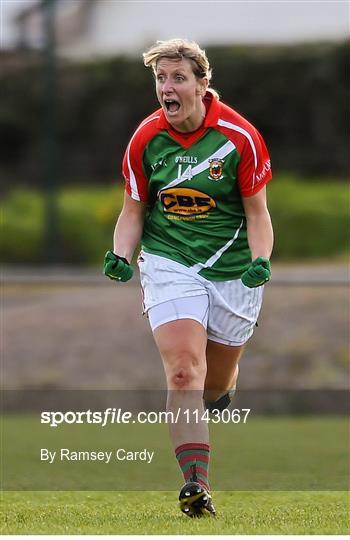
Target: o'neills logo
(215, 169)
(185, 201)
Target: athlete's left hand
(258, 273)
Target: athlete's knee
(214, 395)
(218, 401)
(187, 371)
(220, 395)
(216, 387)
(182, 377)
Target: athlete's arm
(128, 230)
(259, 226)
(260, 239)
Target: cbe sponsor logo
(186, 201)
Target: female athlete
(195, 196)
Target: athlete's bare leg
(182, 345)
(222, 369)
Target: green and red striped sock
(190, 454)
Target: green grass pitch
(157, 513)
(289, 476)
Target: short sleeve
(136, 183)
(254, 168)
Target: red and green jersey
(194, 184)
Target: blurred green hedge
(297, 96)
(86, 218)
(311, 221)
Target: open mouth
(172, 105)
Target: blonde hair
(181, 48)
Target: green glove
(116, 267)
(258, 273)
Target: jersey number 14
(186, 174)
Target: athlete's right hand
(116, 267)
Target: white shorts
(228, 310)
